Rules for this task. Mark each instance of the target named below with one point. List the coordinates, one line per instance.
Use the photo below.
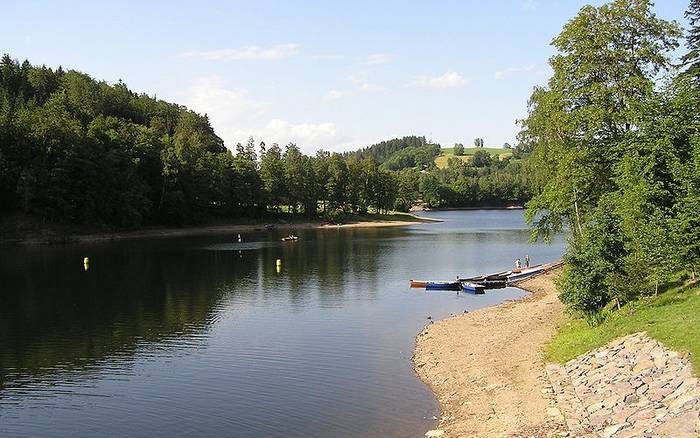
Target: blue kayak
(473, 288)
(442, 285)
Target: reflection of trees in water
(328, 263)
(54, 314)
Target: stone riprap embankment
(633, 387)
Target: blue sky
(319, 73)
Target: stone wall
(632, 387)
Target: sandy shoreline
(486, 367)
(200, 231)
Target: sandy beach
(486, 367)
(47, 238)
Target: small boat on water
(418, 284)
(473, 288)
(290, 238)
(443, 285)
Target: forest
(615, 156)
(81, 151)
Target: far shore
(48, 237)
(485, 207)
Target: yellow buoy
(279, 265)
(86, 263)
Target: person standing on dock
(527, 260)
(517, 264)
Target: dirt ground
(44, 238)
(486, 368)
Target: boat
(443, 285)
(521, 274)
(494, 284)
(473, 288)
(418, 284)
(477, 279)
(500, 276)
(290, 238)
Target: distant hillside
(447, 153)
(384, 150)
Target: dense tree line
(615, 139)
(77, 150)
(73, 149)
(384, 150)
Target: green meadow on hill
(447, 153)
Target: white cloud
(279, 51)
(451, 79)
(378, 58)
(236, 116)
(366, 87)
(307, 136)
(224, 106)
(363, 85)
(327, 56)
(334, 95)
(500, 74)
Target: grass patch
(447, 153)
(672, 318)
(471, 151)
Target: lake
(203, 337)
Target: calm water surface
(202, 337)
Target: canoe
(419, 283)
(290, 239)
(473, 288)
(443, 285)
(500, 276)
(525, 273)
(477, 279)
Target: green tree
(459, 149)
(692, 58)
(481, 159)
(272, 177)
(600, 83)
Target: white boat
(521, 274)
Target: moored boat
(473, 288)
(477, 279)
(290, 238)
(494, 284)
(500, 276)
(525, 273)
(443, 285)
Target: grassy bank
(672, 318)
